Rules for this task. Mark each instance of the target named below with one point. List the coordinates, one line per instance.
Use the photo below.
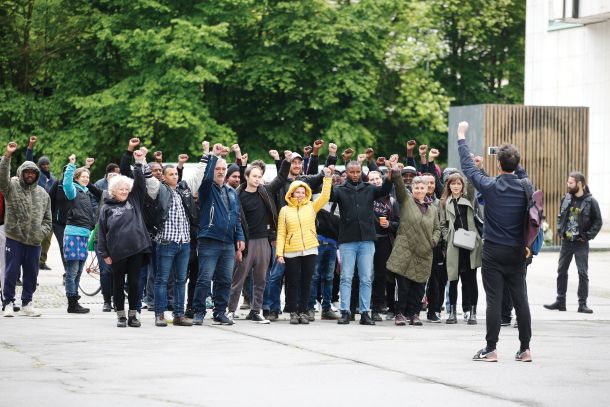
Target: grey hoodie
(28, 207)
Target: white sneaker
(8, 311)
(466, 315)
(334, 306)
(29, 311)
(231, 316)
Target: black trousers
(193, 268)
(408, 296)
(505, 266)
(435, 291)
(130, 267)
(299, 271)
(58, 231)
(383, 248)
(579, 250)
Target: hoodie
(27, 207)
(296, 229)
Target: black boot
(365, 319)
(452, 318)
(344, 320)
(74, 307)
(472, 319)
(132, 320)
(584, 309)
(557, 305)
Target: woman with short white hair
(124, 242)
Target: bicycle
(90, 284)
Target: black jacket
(356, 209)
(164, 202)
(122, 232)
(589, 220)
(59, 203)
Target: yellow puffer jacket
(296, 229)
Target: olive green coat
(448, 217)
(411, 255)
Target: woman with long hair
(457, 212)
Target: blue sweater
(505, 201)
(216, 221)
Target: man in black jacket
(357, 237)
(578, 222)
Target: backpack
(534, 216)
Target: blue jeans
(171, 255)
(273, 289)
(325, 270)
(216, 261)
(363, 252)
(74, 268)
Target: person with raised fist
(27, 223)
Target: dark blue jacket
(217, 221)
(505, 201)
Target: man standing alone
(578, 222)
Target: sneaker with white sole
(255, 316)
(486, 355)
(523, 356)
(8, 310)
(29, 311)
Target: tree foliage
(86, 75)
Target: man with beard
(578, 222)
(27, 223)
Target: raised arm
(5, 168)
(68, 183)
(322, 200)
(474, 174)
(280, 179)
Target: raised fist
(33, 140)
(274, 154)
(307, 150)
(182, 158)
(462, 129)
(72, 159)
(144, 151)
(347, 154)
(287, 154)
(244, 159)
(133, 143)
(433, 154)
(423, 149)
(381, 161)
(158, 156)
(138, 155)
(361, 158)
(235, 148)
(206, 147)
(332, 149)
(327, 172)
(89, 162)
(411, 145)
(11, 147)
(369, 153)
(217, 149)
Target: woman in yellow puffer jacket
(297, 243)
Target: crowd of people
(381, 236)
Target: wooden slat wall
(553, 141)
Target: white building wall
(571, 67)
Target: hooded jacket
(296, 229)
(28, 207)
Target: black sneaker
(107, 307)
(222, 319)
(505, 322)
(582, 308)
(255, 316)
(304, 318)
(433, 317)
(189, 313)
(121, 322)
(376, 317)
(44, 266)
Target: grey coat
(448, 217)
(417, 235)
(28, 207)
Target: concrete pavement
(84, 360)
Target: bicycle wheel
(90, 278)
